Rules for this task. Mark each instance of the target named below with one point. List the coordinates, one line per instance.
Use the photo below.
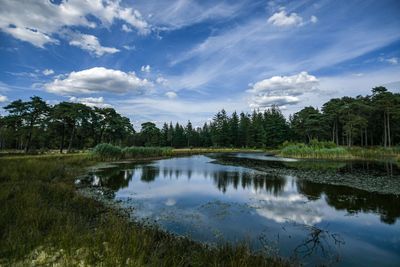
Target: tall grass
(375, 152)
(315, 149)
(45, 222)
(111, 152)
(329, 150)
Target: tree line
(371, 120)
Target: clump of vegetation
(375, 152)
(138, 152)
(111, 152)
(315, 149)
(44, 221)
(329, 150)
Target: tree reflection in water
(340, 197)
(257, 182)
(319, 242)
(353, 200)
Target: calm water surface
(308, 222)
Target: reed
(111, 152)
(318, 150)
(328, 150)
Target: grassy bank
(45, 221)
(111, 152)
(328, 150)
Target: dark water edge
(371, 176)
(296, 209)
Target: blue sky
(178, 60)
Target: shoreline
(83, 230)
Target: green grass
(192, 151)
(328, 150)
(375, 152)
(305, 151)
(45, 221)
(111, 152)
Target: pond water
(311, 223)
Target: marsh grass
(375, 152)
(328, 150)
(45, 221)
(315, 150)
(194, 151)
(111, 152)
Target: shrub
(111, 152)
(107, 151)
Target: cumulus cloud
(3, 98)
(282, 90)
(91, 44)
(171, 95)
(283, 19)
(146, 68)
(90, 101)
(162, 81)
(96, 80)
(264, 101)
(126, 28)
(48, 72)
(38, 21)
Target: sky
(183, 60)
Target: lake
(286, 212)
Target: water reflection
(268, 188)
(257, 182)
(209, 201)
(353, 200)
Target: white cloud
(3, 98)
(91, 43)
(126, 28)
(231, 56)
(96, 80)
(48, 72)
(178, 109)
(313, 19)
(161, 80)
(172, 15)
(129, 47)
(38, 21)
(282, 19)
(34, 37)
(146, 68)
(393, 60)
(265, 101)
(282, 90)
(91, 101)
(171, 95)
(295, 84)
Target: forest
(371, 120)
